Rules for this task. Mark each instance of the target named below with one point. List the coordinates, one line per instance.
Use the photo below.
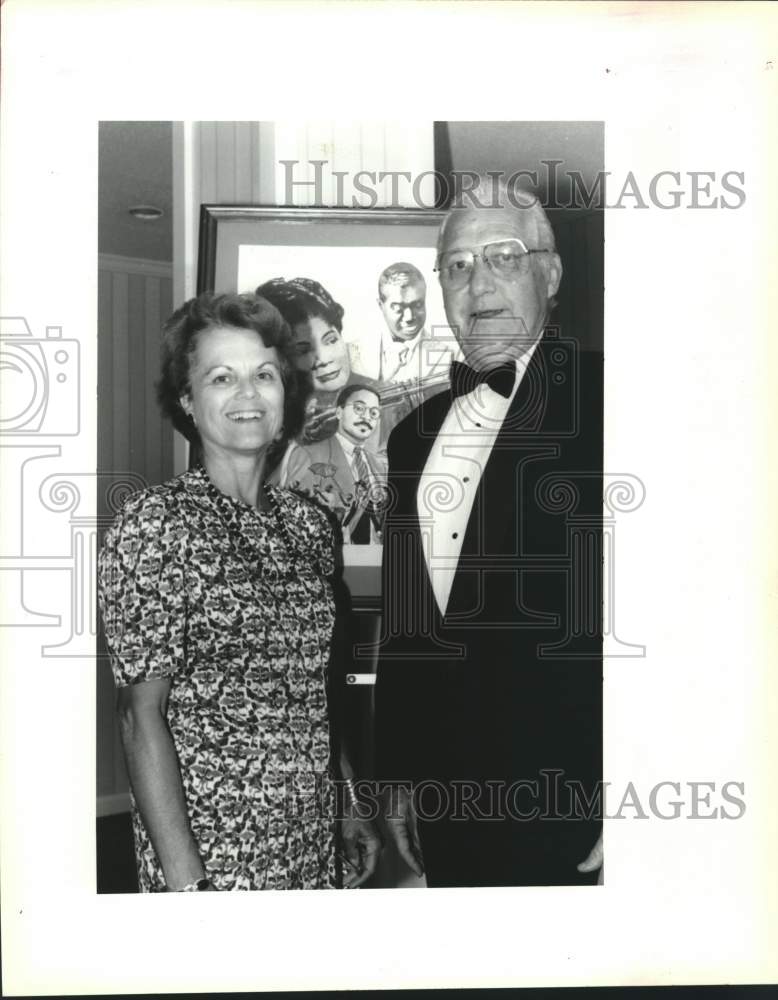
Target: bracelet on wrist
(199, 885)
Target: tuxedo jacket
(507, 684)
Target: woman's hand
(361, 849)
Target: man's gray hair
(400, 274)
(492, 191)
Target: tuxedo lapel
(410, 447)
(499, 504)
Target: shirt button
(478, 425)
(455, 535)
(466, 479)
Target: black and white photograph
(387, 502)
(471, 752)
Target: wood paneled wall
(234, 163)
(376, 147)
(134, 300)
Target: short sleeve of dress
(142, 590)
(318, 537)
(326, 546)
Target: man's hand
(361, 850)
(594, 861)
(401, 823)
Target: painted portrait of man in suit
(342, 472)
(410, 364)
(402, 295)
(488, 696)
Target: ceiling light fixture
(146, 212)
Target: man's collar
(346, 444)
(389, 344)
(521, 366)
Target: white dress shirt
(400, 359)
(452, 474)
(348, 447)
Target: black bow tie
(464, 378)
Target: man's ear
(553, 273)
(338, 413)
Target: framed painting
(387, 348)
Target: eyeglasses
(362, 408)
(506, 258)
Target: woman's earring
(185, 402)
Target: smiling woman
(236, 395)
(218, 351)
(216, 595)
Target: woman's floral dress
(234, 606)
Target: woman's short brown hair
(244, 312)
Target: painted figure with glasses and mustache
(488, 696)
(341, 472)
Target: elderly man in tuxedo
(488, 694)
